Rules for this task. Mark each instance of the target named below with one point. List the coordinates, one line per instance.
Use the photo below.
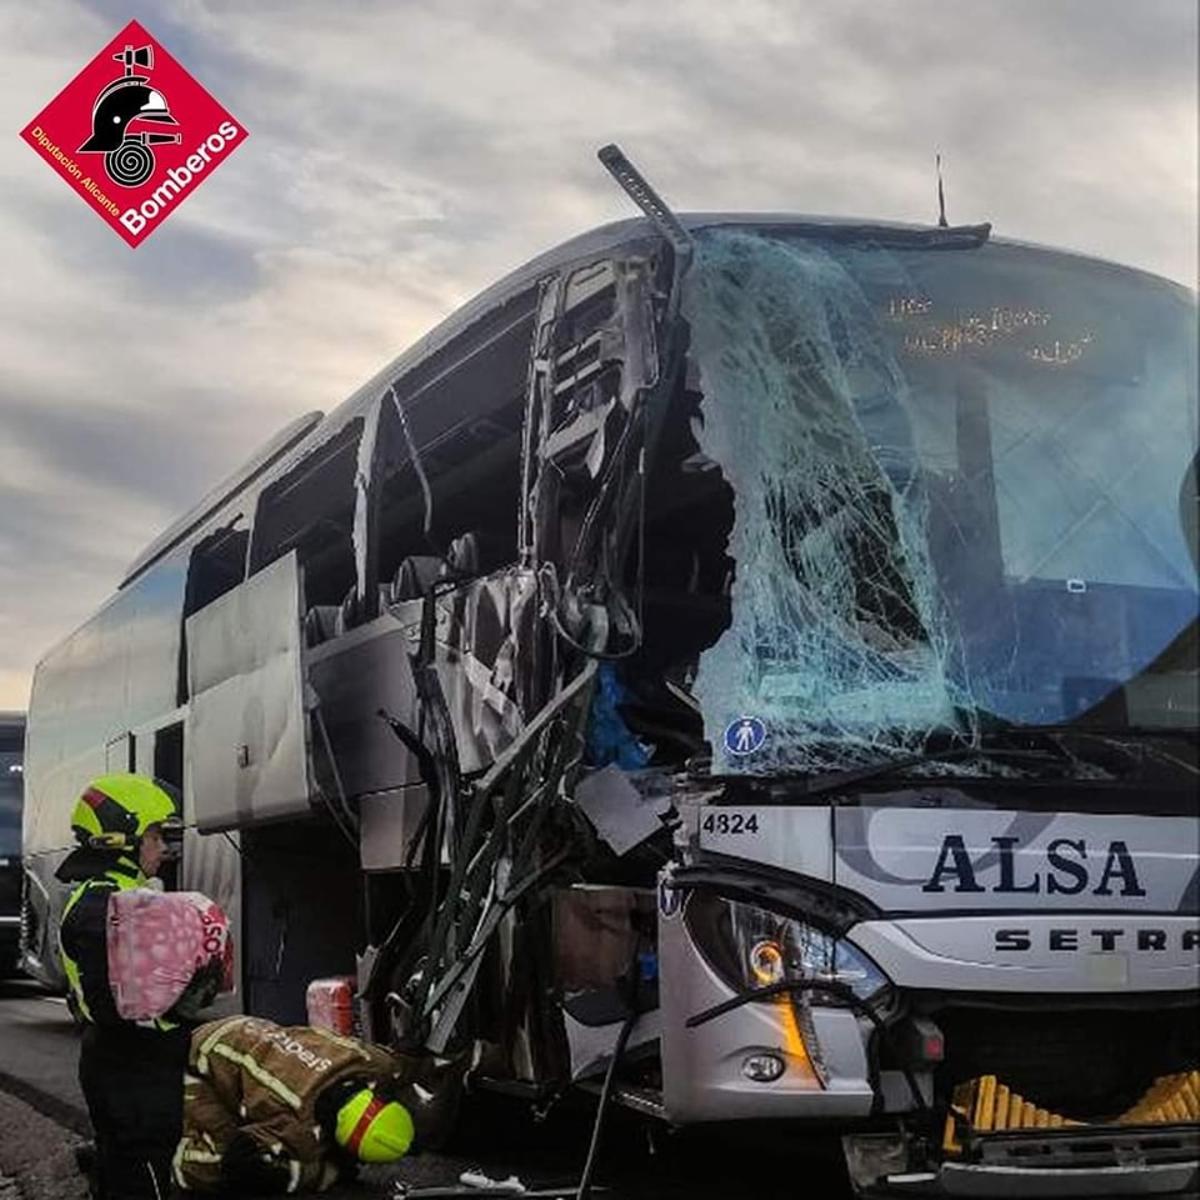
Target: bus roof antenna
(634, 184)
(942, 222)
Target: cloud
(401, 157)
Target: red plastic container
(330, 1004)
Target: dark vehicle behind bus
(12, 739)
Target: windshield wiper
(817, 785)
(1129, 741)
(1184, 732)
(1036, 743)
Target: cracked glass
(964, 490)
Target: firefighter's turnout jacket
(250, 1076)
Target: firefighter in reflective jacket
(271, 1109)
(131, 1073)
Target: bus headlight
(753, 947)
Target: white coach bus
(749, 658)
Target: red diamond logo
(134, 134)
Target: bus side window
(474, 478)
(168, 767)
(216, 564)
(120, 754)
(168, 755)
(311, 510)
(464, 410)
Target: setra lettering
(1101, 939)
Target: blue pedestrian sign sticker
(744, 736)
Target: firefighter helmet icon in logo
(128, 158)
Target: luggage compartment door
(246, 745)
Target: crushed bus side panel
(585, 839)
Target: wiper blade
(816, 783)
(1033, 742)
(820, 784)
(993, 725)
(1129, 741)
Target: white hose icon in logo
(130, 163)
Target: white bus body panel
(247, 755)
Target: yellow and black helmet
(115, 811)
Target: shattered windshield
(964, 489)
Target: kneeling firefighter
(131, 1073)
(271, 1109)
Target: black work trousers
(133, 1086)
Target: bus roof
(298, 438)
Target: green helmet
(115, 811)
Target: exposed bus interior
(302, 895)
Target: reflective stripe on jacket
(248, 1075)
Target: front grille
(1087, 1063)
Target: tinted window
(10, 802)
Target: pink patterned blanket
(166, 950)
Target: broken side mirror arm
(635, 186)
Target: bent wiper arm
(1122, 739)
(817, 785)
(1184, 732)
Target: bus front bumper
(996, 1144)
(1164, 1161)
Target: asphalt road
(37, 1042)
(39, 1049)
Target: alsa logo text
(134, 139)
(1068, 868)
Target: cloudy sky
(404, 155)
